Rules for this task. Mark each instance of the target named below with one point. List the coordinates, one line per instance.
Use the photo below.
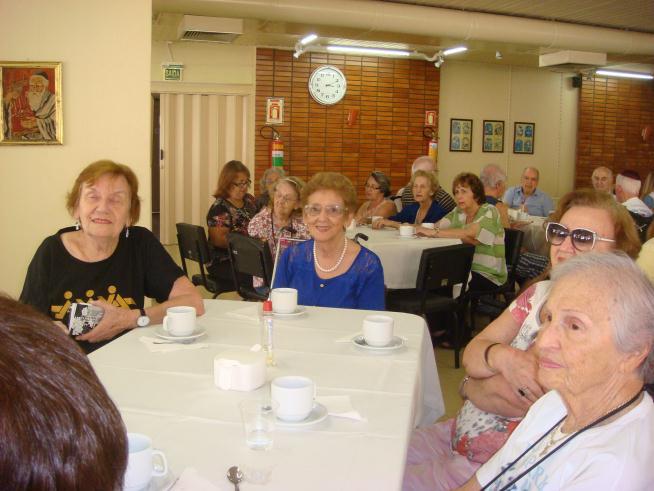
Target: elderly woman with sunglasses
(501, 382)
(231, 212)
(331, 270)
(594, 429)
(378, 189)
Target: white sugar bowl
(239, 370)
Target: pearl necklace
(338, 263)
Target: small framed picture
(31, 103)
(460, 135)
(523, 137)
(493, 140)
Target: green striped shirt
(489, 259)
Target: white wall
(105, 50)
(480, 91)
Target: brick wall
(612, 114)
(390, 94)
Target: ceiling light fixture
(360, 50)
(614, 73)
(456, 49)
(309, 38)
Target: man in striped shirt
(442, 197)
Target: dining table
(400, 256)
(167, 391)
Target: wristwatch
(143, 319)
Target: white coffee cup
(378, 330)
(407, 230)
(140, 467)
(428, 225)
(294, 396)
(179, 321)
(284, 300)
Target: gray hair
(267, 173)
(604, 168)
(628, 184)
(492, 175)
(632, 294)
(424, 162)
(531, 168)
(383, 181)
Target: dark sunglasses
(582, 239)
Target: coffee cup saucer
(318, 413)
(396, 343)
(299, 310)
(414, 236)
(160, 333)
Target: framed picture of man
(493, 136)
(523, 137)
(31, 103)
(460, 135)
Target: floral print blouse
(224, 214)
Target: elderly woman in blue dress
(594, 429)
(425, 210)
(331, 270)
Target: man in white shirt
(627, 188)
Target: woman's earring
(77, 225)
(127, 231)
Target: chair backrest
(642, 223)
(444, 267)
(193, 245)
(512, 244)
(251, 257)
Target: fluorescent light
(308, 39)
(613, 73)
(367, 51)
(457, 49)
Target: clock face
(327, 85)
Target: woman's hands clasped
(519, 368)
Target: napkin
(152, 345)
(191, 480)
(341, 407)
(249, 313)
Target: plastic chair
(441, 268)
(193, 246)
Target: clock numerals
(327, 85)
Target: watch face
(143, 321)
(327, 85)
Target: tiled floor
(448, 375)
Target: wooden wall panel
(612, 114)
(391, 96)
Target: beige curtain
(199, 133)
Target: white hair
(622, 285)
(267, 173)
(604, 168)
(629, 185)
(492, 175)
(424, 162)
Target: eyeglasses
(582, 239)
(370, 186)
(285, 199)
(242, 184)
(332, 211)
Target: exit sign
(173, 72)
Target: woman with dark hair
(59, 429)
(475, 222)
(105, 260)
(331, 270)
(231, 212)
(378, 189)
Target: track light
(613, 73)
(498, 55)
(439, 61)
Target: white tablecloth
(400, 257)
(172, 398)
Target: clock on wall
(327, 85)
